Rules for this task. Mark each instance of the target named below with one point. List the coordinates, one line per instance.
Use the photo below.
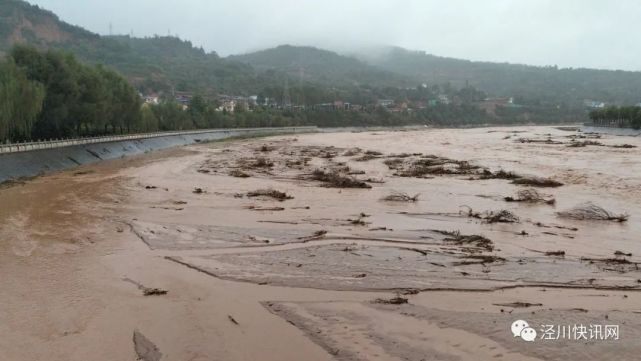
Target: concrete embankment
(35, 162)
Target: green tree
(20, 102)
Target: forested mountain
(168, 63)
(531, 85)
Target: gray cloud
(568, 33)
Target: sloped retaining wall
(31, 163)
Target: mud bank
(32, 163)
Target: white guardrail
(59, 143)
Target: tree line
(46, 95)
(625, 116)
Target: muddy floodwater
(386, 245)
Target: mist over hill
(526, 83)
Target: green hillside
(156, 63)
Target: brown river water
(309, 276)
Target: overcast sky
(567, 33)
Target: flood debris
(352, 152)
(398, 300)
(144, 348)
(530, 195)
(478, 259)
(617, 264)
(418, 250)
(238, 173)
(547, 140)
(501, 216)
(577, 144)
(410, 291)
(366, 157)
(500, 174)
(268, 209)
(536, 182)
(255, 163)
(518, 304)
(624, 146)
(333, 179)
(271, 193)
(359, 221)
(396, 196)
(320, 234)
(592, 212)
(555, 253)
(232, 320)
(262, 162)
(455, 237)
(433, 165)
(393, 163)
(147, 291)
(622, 254)
(154, 291)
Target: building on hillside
(151, 99)
(444, 99)
(231, 103)
(341, 105)
(400, 107)
(227, 105)
(335, 105)
(420, 104)
(183, 98)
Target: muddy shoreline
(278, 247)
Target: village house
(444, 99)
(385, 103)
(227, 105)
(151, 99)
(231, 103)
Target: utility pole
(111, 29)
